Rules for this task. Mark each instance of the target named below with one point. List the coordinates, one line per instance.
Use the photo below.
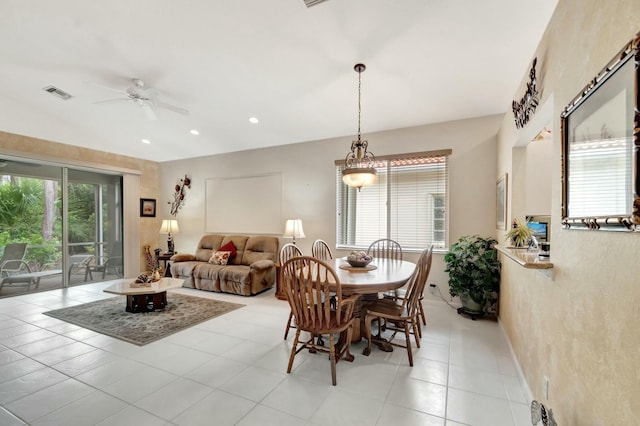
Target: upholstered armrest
(261, 265)
(183, 257)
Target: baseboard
(527, 389)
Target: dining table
(379, 276)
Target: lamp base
(170, 247)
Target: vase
(470, 305)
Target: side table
(166, 257)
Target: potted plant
(519, 234)
(474, 273)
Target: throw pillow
(220, 257)
(229, 247)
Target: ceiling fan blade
(113, 101)
(172, 108)
(111, 89)
(149, 112)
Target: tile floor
(232, 370)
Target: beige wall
(138, 230)
(577, 327)
(309, 180)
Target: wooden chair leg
(421, 308)
(416, 331)
(348, 356)
(408, 340)
(293, 351)
(332, 356)
(286, 330)
(367, 334)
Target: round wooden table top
(388, 275)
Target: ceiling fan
(143, 96)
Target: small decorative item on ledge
(178, 197)
(519, 234)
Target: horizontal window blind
(599, 175)
(408, 203)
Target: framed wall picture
(147, 207)
(501, 202)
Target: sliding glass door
(69, 221)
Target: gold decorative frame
(629, 56)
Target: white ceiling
(226, 60)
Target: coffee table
(144, 299)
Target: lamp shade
(169, 226)
(293, 229)
(359, 177)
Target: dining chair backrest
(417, 282)
(308, 283)
(385, 248)
(289, 251)
(320, 250)
(12, 258)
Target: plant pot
(470, 306)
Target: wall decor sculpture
(523, 110)
(179, 195)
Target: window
(408, 203)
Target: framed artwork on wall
(501, 202)
(147, 207)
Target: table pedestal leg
(146, 302)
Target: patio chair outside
(12, 260)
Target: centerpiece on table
(359, 259)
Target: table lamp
(169, 226)
(293, 229)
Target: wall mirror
(600, 149)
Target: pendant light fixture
(359, 168)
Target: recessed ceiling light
(194, 132)
(254, 120)
(147, 141)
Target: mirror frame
(631, 222)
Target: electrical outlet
(432, 288)
(545, 387)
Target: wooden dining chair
(320, 250)
(385, 248)
(401, 292)
(308, 283)
(288, 251)
(401, 315)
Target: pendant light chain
(359, 103)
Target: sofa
(251, 270)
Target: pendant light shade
(359, 168)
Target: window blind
(408, 203)
(599, 175)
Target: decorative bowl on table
(359, 259)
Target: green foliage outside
(21, 218)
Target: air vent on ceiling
(310, 3)
(57, 92)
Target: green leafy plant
(519, 234)
(474, 270)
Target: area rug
(108, 316)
